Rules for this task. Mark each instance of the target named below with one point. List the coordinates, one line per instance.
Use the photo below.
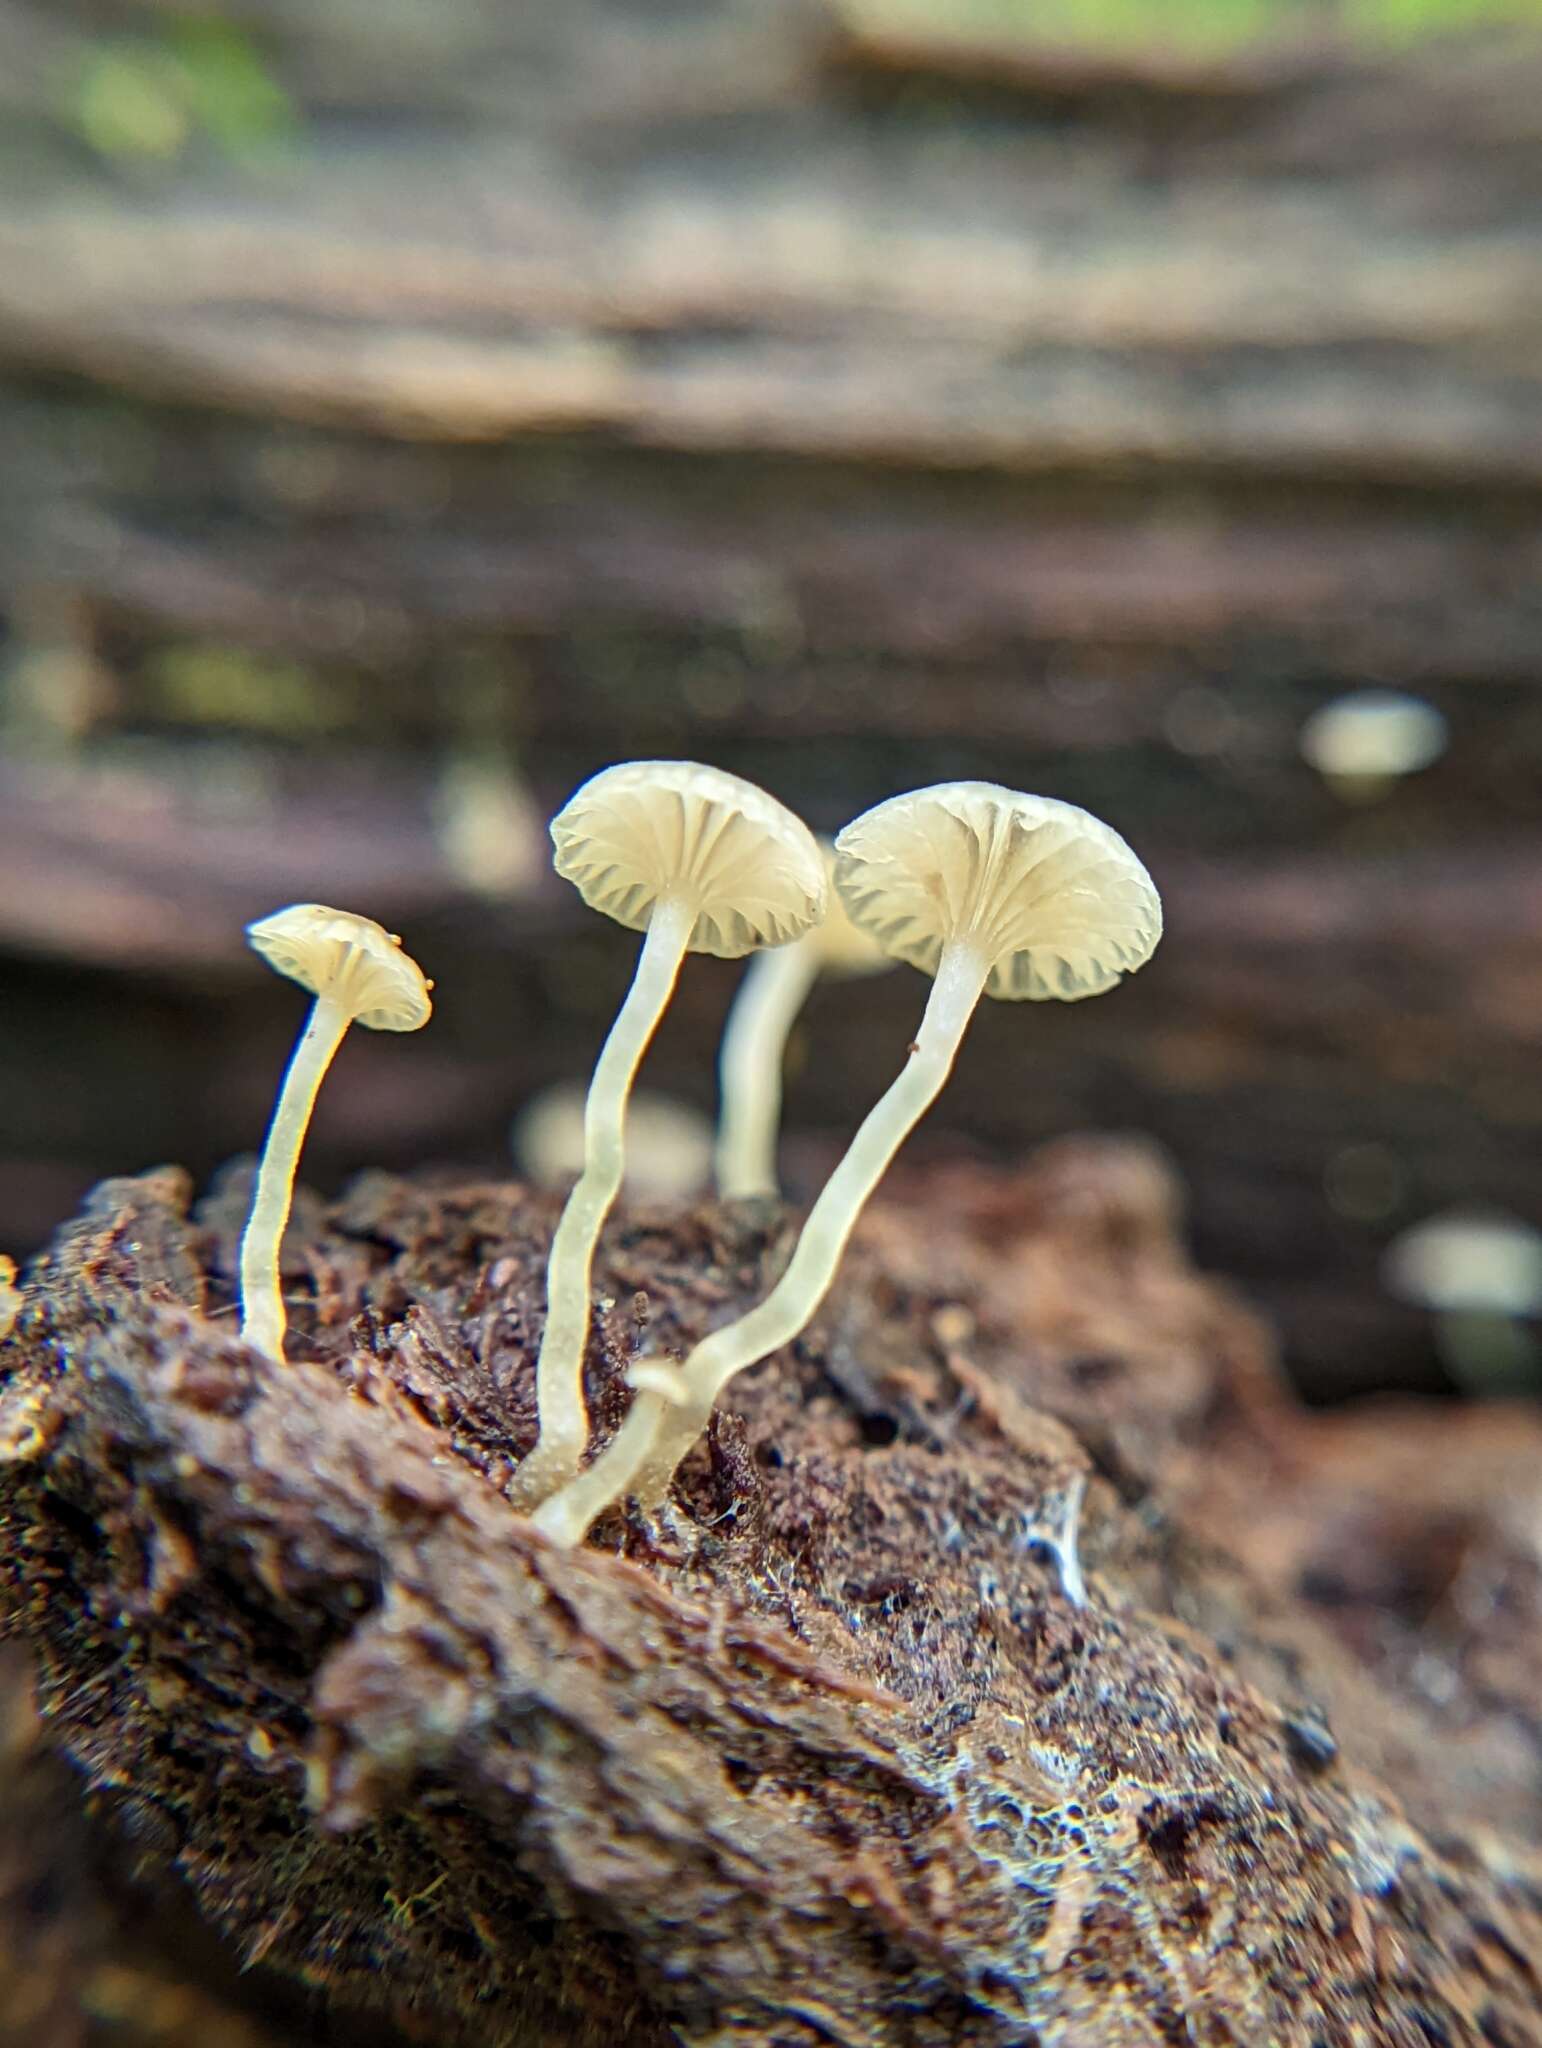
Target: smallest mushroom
(668, 1143)
(775, 987)
(1480, 1276)
(1363, 743)
(358, 974)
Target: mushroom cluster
(988, 891)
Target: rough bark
(828, 1754)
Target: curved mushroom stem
(773, 991)
(672, 1409)
(567, 1514)
(559, 1378)
(263, 1320)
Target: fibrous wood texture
(830, 1754)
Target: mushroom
(1479, 1273)
(1365, 741)
(700, 862)
(988, 891)
(668, 1143)
(358, 973)
(10, 1295)
(773, 991)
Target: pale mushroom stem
(661, 1426)
(567, 1514)
(773, 991)
(263, 1320)
(561, 1412)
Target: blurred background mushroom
(668, 1143)
(756, 1031)
(407, 412)
(1480, 1276)
(1363, 744)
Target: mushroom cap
(1055, 898)
(668, 1144)
(635, 834)
(351, 960)
(1468, 1260)
(1373, 733)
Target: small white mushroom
(10, 1296)
(358, 974)
(989, 891)
(1366, 741)
(1479, 1273)
(668, 1143)
(1468, 1259)
(700, 862)
(488, 830)
(773, 991)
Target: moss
(214, 684)
(145, 99)
(1197, 26)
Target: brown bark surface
(829, 1753)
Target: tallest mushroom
(701, 862)
(989, 891)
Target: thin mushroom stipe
(699, 861)
(358, 974)
(988, 890)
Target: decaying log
(94, 1947)
(830, 1753)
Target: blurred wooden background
(404, 411)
